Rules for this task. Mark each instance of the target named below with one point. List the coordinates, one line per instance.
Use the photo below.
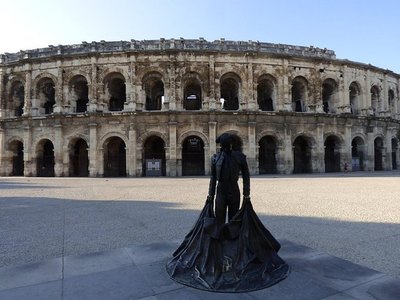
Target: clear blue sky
(366, 31)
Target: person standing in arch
(225, 168)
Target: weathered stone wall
(371, 120)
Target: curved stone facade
(153, 108)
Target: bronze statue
(237, 256)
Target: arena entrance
(17, 150)
(78, 159)
(357, 154)
(302, 155)
(154, 157)
(114, 157)
(192, 156)
(267, 163)
(332, 154)
(45, 159)
(378, 155)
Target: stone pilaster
(2, 96)
(345, 151)
(93, 164)
(2, 152)
(27, 93)
(29, 155)
(212, 92)
(172, 159)
(370, 151)
(58, 150)
(212, 135)
(131, 155)
(58, 107)
(251, 155)
(288, 151)
(318, 164)
(93, 92)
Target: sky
(366, 31)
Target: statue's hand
(246, 199)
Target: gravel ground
(352, 216)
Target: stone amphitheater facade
(144, 108)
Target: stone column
(58, 150)
(251, 155)
(319, 162)
(172, 159)
(131, 159)
(29, 153)
(58, 107)
(93, 96)
(366, 99)
(212, 135)
(288, 151)
(385, 103)
(27, 93)
(213, 97)
(93, 166)
(2, 152)
(369, 156)
(388, 155)
(131, 97)
(2, 96)
(345, 151)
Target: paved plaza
(109, 238)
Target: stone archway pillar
(2, 152)
(369, 155)
(94, 166)
(58, 151)
(318, 165)
(251, 155)
(171, 163)
(288, 155)
(29, 162)
(131, 152)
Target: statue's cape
(240, 256)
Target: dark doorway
(302, 156)
(17, 149)
(79, 160)
(394, 154)
(116, 88)
(114, 157)
(357, 154)
(154, 88)
(267, 155)
(230, 93)
(378, 147)
(265, 90)
(154, 148)
(81, 93)
(45, 159)
(192, 156)
(192, 96)
(332, 154)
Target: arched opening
(192, 156)
(357, 154)
(395, 147)
(46, 95)
(329, 88)
(354, 95)
(154, 89)
(332, 154)
(192, 96)
(302, 155)
(80, 93)
(17, 150)
(116, 91)
(375, 94)
(114, 157)
(154, 163)
(267, 155)
(299, 92)
(45, 159)
(17, 98)
(378, 154)
(79, 159)
(230, 93)
(265, 94)
(391, 101)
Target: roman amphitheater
(155, 108)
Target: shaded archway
(192, 95)
(329, 89)
(154, 89)
(17, 98)
(115, 91)
(267, 163)
(45, 158)
(299, 94)
(302, 155)
(354, 97)
(395, 147)
(46, 95)
(265, 94)
(357, 154)
(378, 154)
(332, 154)
(230, 92)
(114, 157)
(17, 150)
(154, 163)
(80, 93)
(78, 158)
(375, 99)
(192, 156)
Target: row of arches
(193, 156)
(193, 88)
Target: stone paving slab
(138, 272)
